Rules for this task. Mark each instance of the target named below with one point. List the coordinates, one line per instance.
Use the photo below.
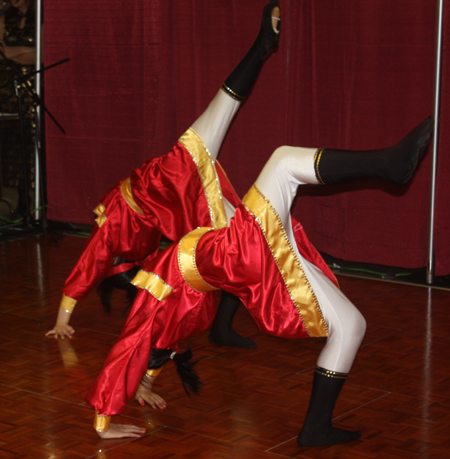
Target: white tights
(287, 168)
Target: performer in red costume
(265, 258)
(171, 196)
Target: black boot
(317, 429)
(240, 82)
(222, 332)
(396, 163)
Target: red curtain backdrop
(347, 74)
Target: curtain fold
(347, 74)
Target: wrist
(68, 304)
(101, 422)
(153, 372)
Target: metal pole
(38, 184)
(437, 94)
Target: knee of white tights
(280, 160)
(274, 167)
(289, 159)
(298, 162)
(355, 326)
(281, 153)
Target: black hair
(121, 281)
(185, 368)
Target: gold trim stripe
(229, 92)
(317, 158)
(331, 374)
(208, 176)
(127, 194)
(229, 183)
(186, 261)
(153, 284)
(289, 266)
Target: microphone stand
(22, 82)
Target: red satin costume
(170, 195)
(252, 258)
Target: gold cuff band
(153, 372)
(101, 422)
(67, 303)
(317, 158)
(331, 374)
(101, 216)
(231, 93)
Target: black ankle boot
(241, 80)
(222, 332)
(396, 163)
(317, 429)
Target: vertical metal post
(37, 172)
(437, 94)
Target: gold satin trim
(231, 93)
(101, 216)
(289, 266)
(127, 194)
(207, 172)
(153, 284)
(331, 374)
(154, 372)
(67, 303)
(186, 261)
(225, 174)
(317, 158)
(101, 423)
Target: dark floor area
(253, 402)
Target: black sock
(317, 429)
(222, 332)
(240, 81)
(396, 163)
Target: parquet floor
(253, 402)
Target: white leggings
(287, 168)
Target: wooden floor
(253, 402)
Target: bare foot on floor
(121, 431)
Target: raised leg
(396, 163)
(214, 122)
(212, 127)
(289, 167)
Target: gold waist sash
(186, 261)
